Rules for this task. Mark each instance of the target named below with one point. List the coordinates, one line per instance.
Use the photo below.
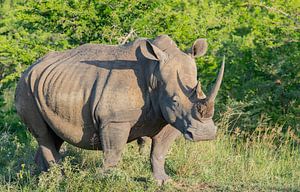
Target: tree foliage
(260, 40)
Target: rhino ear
(152, 52)
(199, 48)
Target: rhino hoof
(162, 179)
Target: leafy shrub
(260, 41)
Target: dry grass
(265, 160)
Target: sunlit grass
(266, 159)
(232, 162)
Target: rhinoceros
(100, 97)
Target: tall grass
(265, 160)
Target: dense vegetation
(258, 107)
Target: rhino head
(181, 99)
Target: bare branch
(128, 36)
(274, 10)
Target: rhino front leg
(159, 148)
(113, 138)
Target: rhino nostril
(188, 135)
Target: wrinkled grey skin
(102, 97)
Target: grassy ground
(263, 161)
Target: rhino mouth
(188, 136)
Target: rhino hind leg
(141, 141)
(39, 160)
(159, 149)
(49, 142)
(49, 152)
(44, 163)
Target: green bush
(260, 41)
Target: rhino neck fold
(153, 92)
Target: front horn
(213, 93)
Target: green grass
(267, 159)
(265, 162)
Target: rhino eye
(175, 100)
